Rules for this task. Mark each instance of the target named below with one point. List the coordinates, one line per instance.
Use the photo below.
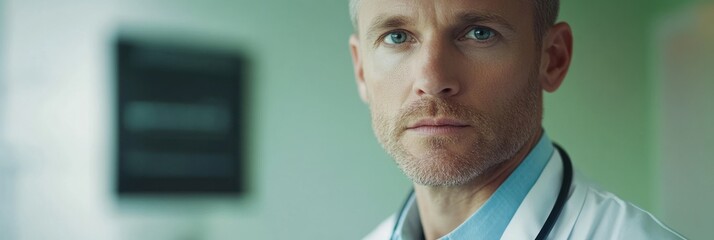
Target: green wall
(608, 111)
(601, 114)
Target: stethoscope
(554, 212)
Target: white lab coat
(589, 213)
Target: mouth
(437, 126)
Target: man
(455, 92)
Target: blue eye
(397, 37)
(481, 33)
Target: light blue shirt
(491, 220)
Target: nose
(436, 71)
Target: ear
(358, 68)
(555, 58)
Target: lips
(437, 123)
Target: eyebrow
(482, 17)
(386, 22)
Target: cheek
(388, 82)
(495, 81)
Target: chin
(440, 166)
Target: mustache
(437, 107)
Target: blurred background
(635, 114)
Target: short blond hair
(353, 13)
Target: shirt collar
(491, 220)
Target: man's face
(452, 85)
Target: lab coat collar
(536, 207)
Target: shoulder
(383, 230)
(606, 216)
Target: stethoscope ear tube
(554, 213)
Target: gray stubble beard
(498, 140)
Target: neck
(442, 209)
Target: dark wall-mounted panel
(180, 121)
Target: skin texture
(457, 113)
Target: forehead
(517, 12)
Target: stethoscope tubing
(562, 195)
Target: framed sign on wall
(179, 125)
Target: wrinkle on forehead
(428, 11)
(375, 10)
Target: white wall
(315, 170)
(686, 146)
(56, 118)
(7, 168)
